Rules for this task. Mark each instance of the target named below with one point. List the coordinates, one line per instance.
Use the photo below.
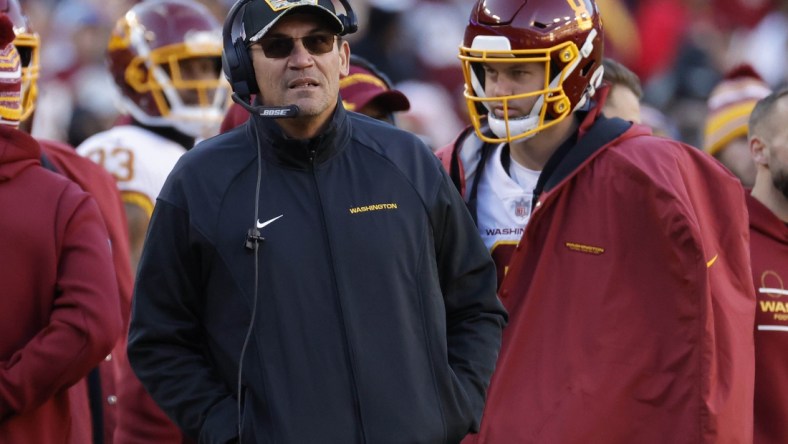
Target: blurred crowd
(680, 49)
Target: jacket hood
(764, 221)
(18, 151)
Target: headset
(238, 68)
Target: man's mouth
(498, 112)
(303, 84)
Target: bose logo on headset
(237, 65)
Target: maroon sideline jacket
(59, 310)
(130, 415)
(769, 252)
(630, 304)
(95, 180)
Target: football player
(165, 57)
(630, 301)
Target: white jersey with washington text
(503, 207)
(139, 159)
(503, 204)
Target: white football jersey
(139, 159)
(503, 204)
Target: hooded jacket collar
(18, 151)
(302, 153)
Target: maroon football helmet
(27, 43)
(564, 35)
(148, 53)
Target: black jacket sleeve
(474, 315)
(166, 343)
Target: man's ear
(344, 55)
(759, 151)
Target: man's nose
(300, 56)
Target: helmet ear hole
(587, 67)
(25, 55)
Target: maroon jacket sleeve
(84, 323)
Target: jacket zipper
(349, 352)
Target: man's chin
(310, 108)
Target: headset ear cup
(342, 19)
(348, 19)
(349, 23)
(243, 80)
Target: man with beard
(768, 208)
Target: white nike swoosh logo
(261, 225)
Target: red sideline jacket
(95, 180)
(130, 415)
(59, 311)
(769, 251)
(631, 307)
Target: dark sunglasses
(281, 47)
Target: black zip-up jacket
(376, 318)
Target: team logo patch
(772, 284)
(774, 312)
(278, 5)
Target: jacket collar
(762, 219)
(302, 153)
(18, 151)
